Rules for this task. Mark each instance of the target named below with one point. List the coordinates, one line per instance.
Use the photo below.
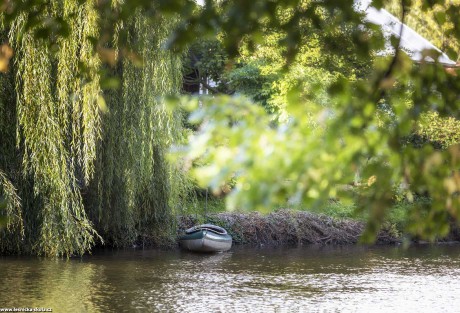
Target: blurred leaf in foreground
(6, 53)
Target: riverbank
(287, 227)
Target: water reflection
(304, 279)
(31, 282)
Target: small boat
(206, 238)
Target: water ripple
(307, 279)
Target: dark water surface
(305, 279)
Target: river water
(303, 279)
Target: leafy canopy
(355, 132)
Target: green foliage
(358, 137)
(10, 214)
(438, 27)
(250, 80)
(441, 132)
(355, 133)
(87, 161)
(59, 126)
(433, 23)
(206, 59)
(261, 73)
(312, 157)
(340, 210)
(135, 188)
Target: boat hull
(206, 241)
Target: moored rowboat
(206, 238)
